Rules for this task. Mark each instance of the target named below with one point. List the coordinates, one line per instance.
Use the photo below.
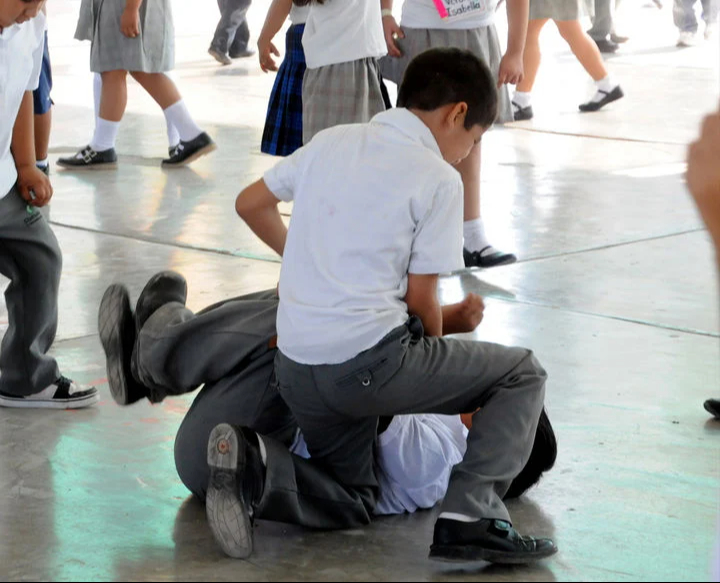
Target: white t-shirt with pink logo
(448, 14)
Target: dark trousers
(232, 33)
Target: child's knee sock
(177, 115)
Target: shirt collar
(409, 124)
(9, 31)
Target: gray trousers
(337, 407)
(227, 348)
(684, 14)
(232, 33)
(603, 23)
(30, 258)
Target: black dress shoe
(237, 482)
(117, 336)
(606, 45)
(477, 259)
(609, 97)
(712, 406)
(87, 158)
(162, 288)
(495, 541)
(186, 152)
(522, 113)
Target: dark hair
(439, 77)
(307, 2)
(542, 459)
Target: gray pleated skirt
(557, 9)
(340, 94)
(153, 51)
(483, 42)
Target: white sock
(522, 99)
(42, 163)
(105, 135)
(263, 451)
(606, 85)
(458, 517)
(172, 134)
(474, 235)
(97, 93)
(179, 116)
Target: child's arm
(464, 316)
(511, 67)
(391, 30)
(276, 16)
(34, 186)
(258, 207)
(422, 301)
(130, 19)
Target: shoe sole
(104, 166)
(225, 507)
(219, 57)
(199, 154)
(60, 404)
(468, 554)
(114, 316)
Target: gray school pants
(30, 258)
(337, 408)
(227, 347)
(232, 33)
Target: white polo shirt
(21, 50)
(460, 14)
(373, 202)
(341, 31)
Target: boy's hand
(511, 69)
(703, 173)
(266, 49)
(470, 313)
(34, 186)
(130, 23)
(392, 31)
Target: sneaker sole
(199, 154)
(226, 510)
(469, 553)
(61, 404)
(112, 320)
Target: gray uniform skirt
(557, 9)
(152, 51)
(340, 94)
(483, 42)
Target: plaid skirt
(483, 42)
(283, 133)
(351, 92)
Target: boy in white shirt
(376, 217)
(29, 252)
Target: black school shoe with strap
(608, 97)
(186, 152)
(89, 159)
(62, 394)
(494, 541)
(487, 257)
(237, 482)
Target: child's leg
(684, 16)
(583, 48)
(532, 55)
(43, 125)
(30, 257)
(113, 101)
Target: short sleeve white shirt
(460, 14)
(341, 31)
(299, 14)
(372, 203)
(21, 49)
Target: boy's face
(456, 142)
(17, 11)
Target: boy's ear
(457, 114)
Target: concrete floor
(615, 291)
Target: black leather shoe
(162, 288)
(477, 259)
(87, 159)
(613, 95)
(495, 541)
(522, 113)
(542, 459)
(117, 336)
(606, 45)
(712, 406)
(186, 152)
(237, 482)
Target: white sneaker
(62, 394)
(711, 30)
(687, 39)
